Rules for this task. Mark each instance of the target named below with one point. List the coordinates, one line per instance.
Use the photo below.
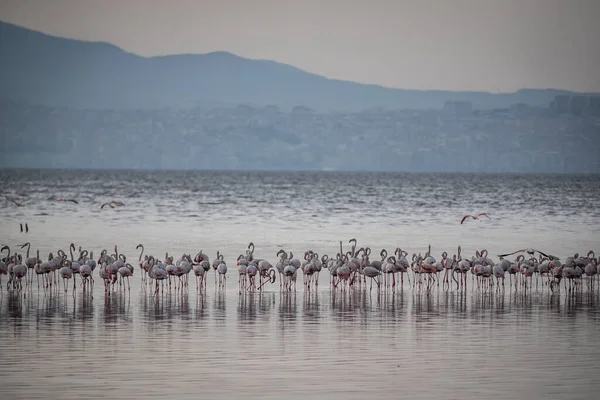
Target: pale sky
(490, 45)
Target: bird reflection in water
(573, 303)
(422, 304)
(355, 300)
(84, 306)
(254, 307)
(14, 303)
(246, 309)
(482, 300)
(117, 306)
(220, 303)
(310, 307)
(201, 308)
(288, 307)
(47, 305)
(164, 306)
(177, 305)
(391, 300)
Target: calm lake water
(326, 344)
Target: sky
(487, 45)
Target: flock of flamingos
(347, 270)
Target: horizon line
(324, 171)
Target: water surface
(323, 343)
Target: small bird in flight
(64, 200)
(112, 204)
(473, 216)
(531, 252)
(14, 201)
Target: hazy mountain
(40, 69)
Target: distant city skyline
(460, 45)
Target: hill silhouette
(41, 69)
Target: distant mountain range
(36, 68)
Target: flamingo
(19, 271)
(30, 261)
(144, 271)
(270, 275)
(74, 264)
(222, 271)
(112, 204)
(242, 266)
(62, 200)
(281, 264)
(251, 271)
(44, 268)
(202, 259)
(65, 273)
(18, 204)
(529, 251)
(199, 273)
(402, 264)
(157, 273)
(467, 216)
(3, 269)
(498, 272)
(126, 271)
(372, 272)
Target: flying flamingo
(18, 204)
(112, 204)
(473, 216)
(63, 200)
(531, 252)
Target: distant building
(271, 109)
(576, 105)
(302, 110)
(244, 110)
(594, 106)
(561, 104)
(579, 105)
(458, 107)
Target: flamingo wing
(549, 256)
(15, 202)
(465, 217)
(510, 254)
(482, 213)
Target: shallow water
(323, 343)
